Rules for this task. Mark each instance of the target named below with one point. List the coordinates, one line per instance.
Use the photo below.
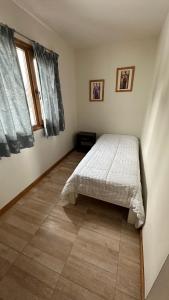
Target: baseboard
(29, 187)
(142, 267)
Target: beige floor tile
(98, 250)
(95, 279)
(79, 252)
(37, 270)
(61, 171)
(7, 257)
(19, 285)
(58, 177)
(4, 267)
(36, 204)
(65, 169)
(106, 209)
(7, 214)
(49, 261)
(84, 202)
(130, 233)
(7, 253)
(11, 240)
(69, 164)
(47, 240)
(68, 213)
(47, 186)
(53, 245)
(46, 195)
(128, 277)
(16, 231)
(40, 192)
(30, 215)
(121, 296)
(15, 291)
(18, 220)
(48, 183)
(61, 228)
(110, 227)
(55, 188)
(81, 206)
(130, 251)
(67, 290)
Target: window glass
(27, 85)
(38, 85)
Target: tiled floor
(52, 250)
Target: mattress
(110, 171)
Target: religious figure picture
(124, 79)
(96, 90)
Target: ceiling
(87, 23)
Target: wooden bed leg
(131, 217)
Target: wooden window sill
(36, 127)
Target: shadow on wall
(143, 180)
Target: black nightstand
(85, 141)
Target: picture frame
(125, 79)
(96, 90)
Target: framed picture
(96, 90)
(124, 79)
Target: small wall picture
(124, 79)
(96, 90)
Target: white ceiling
(86, 23)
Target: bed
(110, 172)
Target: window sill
(37, 127)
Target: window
(31, 82)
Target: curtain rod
(24, 36)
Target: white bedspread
(110, 171)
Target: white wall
(120, 112)
(20, 170)
(155, 150)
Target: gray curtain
(15, 124)
(50, 90)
